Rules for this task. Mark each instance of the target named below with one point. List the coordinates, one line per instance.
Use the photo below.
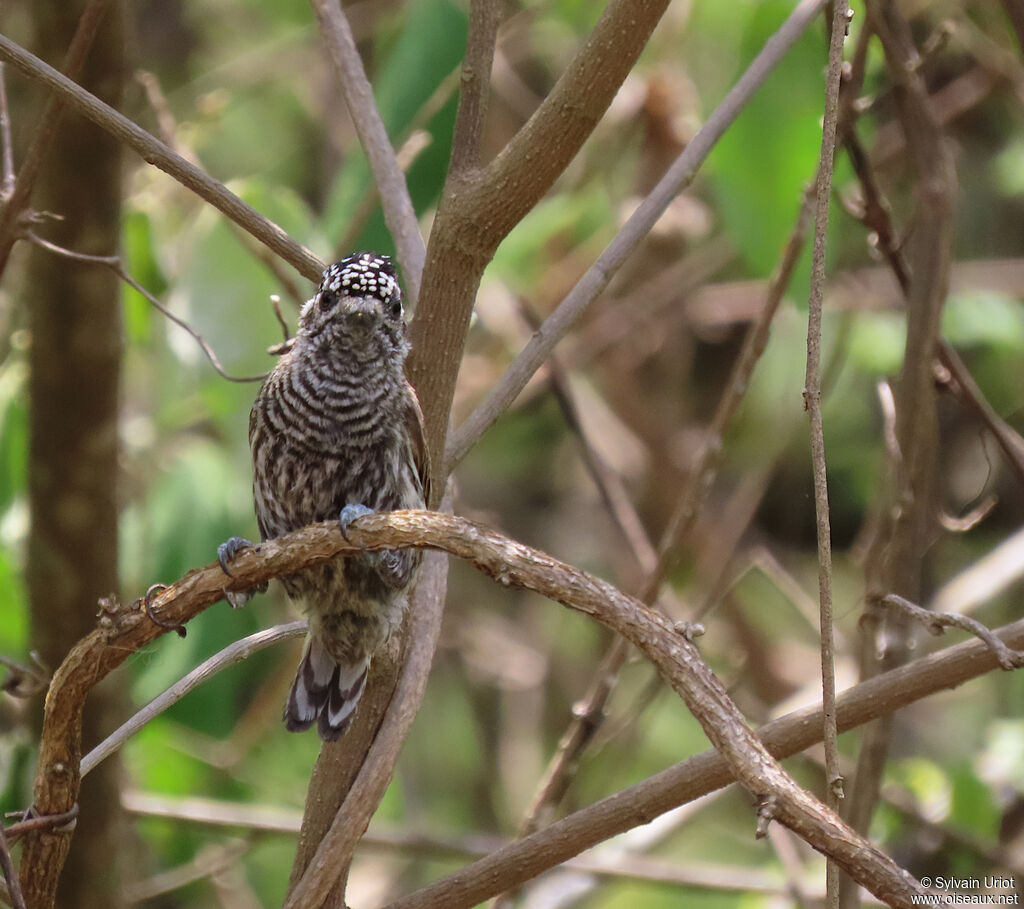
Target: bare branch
(17, 201)
(937, 622)
(812, 402)
(158, 154)
(484, 18)
(399, 214)
(114, 264)
(10, 874)
(596, 278)
(233, 653)
(510, 563)
(697, 776)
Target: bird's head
(358, 306)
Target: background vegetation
(246, 91)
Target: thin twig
(812, 403)
(399, 214)
(233, 653)
(158, 154)
(937, 622)
(588, 714)
(6, 143)
(10, 874)
(36, 822)
(609, 485)
(596, 278)
(74, 61)
(114, 264)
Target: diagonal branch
(478, 210)
(399, 214)
(596, 278)
(509, 563)
(158, 154)
(17, 202)
(702, 774)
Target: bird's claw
(226, 552)
(147, 605)
(349, 514)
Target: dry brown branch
(703, 773)
(509, 563)
(639, 224)
(812, 403)
(474, 86)
(115, 265)
(895, 562)
(158, 154)
(477, 211)
(17, 201)
(394, 194)
(937, 622)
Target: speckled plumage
(335, 424)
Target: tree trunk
(74, 318)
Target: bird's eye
(396, 307)
(328, 300)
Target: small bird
(336, 431)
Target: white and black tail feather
(324, 692)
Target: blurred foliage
(254, 99)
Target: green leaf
(877, 341)
(759, 168)
(983, 318)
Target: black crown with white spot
(362, 275)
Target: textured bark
(74, 318)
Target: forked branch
(509, 563)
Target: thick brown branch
(704, 773)
(509, 563)
(484, 17)
(479, 208)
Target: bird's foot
(349, 514)
(227, 552)
(147, 604)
